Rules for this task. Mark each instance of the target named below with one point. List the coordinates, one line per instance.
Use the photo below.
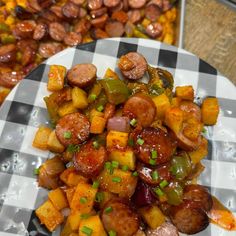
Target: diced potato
(162, 103)
(192, 129)
(210, 111)
(66, 108)
(49, 215)
(94, 223)
(202, 151)
(121, 182)
(94, 113)
(58, 198)
(79, 98)
(174, 118)
(110, 74)
(56, 77)
(116, 138)
(125, 158)
(185, 92)
(41, 138)
(145, 22)
(153, 216)
(175, 102)
(86, 193)
(53, 143)
(67, 230)
(74, 220)
(97, 125)
(106, 197)
(70, 194)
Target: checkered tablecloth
(24, 110)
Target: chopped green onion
(133, 122)
(155, 175)
(112, 233)
(36, 171)
(140, 141)
(135, 173)
(154, 154)
(204, 130)
(95, 184)
(115, 164)
(83, 200)
(163, 183)
(125, 168)
(67, 134)
(130, 142)
(84, 216)
(73, 148)
(152, 162)
(108, 210)
(108, 165)
(99, 197)
(100, 108)
(116, 179)
(158, 191)
(95, 144)
(92, 97)
(86, 230)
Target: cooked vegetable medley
(32, 30)
(127, 153)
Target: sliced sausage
(22, 13)
(166, 5)
(25, 29)
(78, 2)
(72, 39)
(109, 111)
(82, 75)
(47, 17)
(22, 44)
(125, 5)
(57, 31)
(95, 4)
(191, 110)
(89, 161)
(111, 3)
(137, 65)
(166, 229)
(83, 26)
(120, 16)
(28, 56)
(152, 12)
(45, 3)
(57, 10)
(10, 79)
(154, 139)
(136, 3)
(47, 50)
(97, 33)
(119, 7)
(134, 16)
(40, 31)
(121, 219)
(7, 53)
(77, 125)
(99, 12)
(82, 12)
(114, 28)
(99, 22)
(158, 3)
(188, 218)
(199, 195)
(142, 107)
(70, 10)
(33, 6)
(154, 29)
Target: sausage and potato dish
(34, 30)
(127, 153)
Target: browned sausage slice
(166, 229)
(72, 39)
(154, 140)
(82, 75)
(47, 50)
(119, 7)
(10, 79)
(7, 53)
(199, 195)
(57, 10)
(89, 161)
(25, 29)
(22, 44)
(72, 129)
(120, 219)
(57, 31)
(154, 29)
(111, 3)
(137, 3)
(114, 28)
(137, 70)
(188, 218)
(40, 31)
(191, 110)
(134, 16)
(152, 12)
(99, 12)
(70, 10)
(142, 107)
(94, 4)
(166, 5)
(99, 22)
(82, 26)
(97, 33)
(28, 56)
(78, 2)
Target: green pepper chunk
(7, 38)
(116, 90)
(174, 193)
(4, 27)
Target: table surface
(210, 33)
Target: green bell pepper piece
(7, 38)
(4, 27)
(174, 193)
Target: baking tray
(230, 3)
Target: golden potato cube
(110, 74)
(58, 198)
(96, 113)
(116, 138)
(53, 143)
(79, 98)
(83, 198)
(185, 92)
(41, 138)
(92, 224)
(174, 118)
(49, 215)
(66, 108)
(210, 111)
(125, 158)
(56, 77)
(153, 216)
(202, 151)
(162, 103)
(66, 230)
(106, 196)
(70, 194)
(74, 220)
(176, 101)
(97, 125)
(120, 182)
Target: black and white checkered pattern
(24, 110)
